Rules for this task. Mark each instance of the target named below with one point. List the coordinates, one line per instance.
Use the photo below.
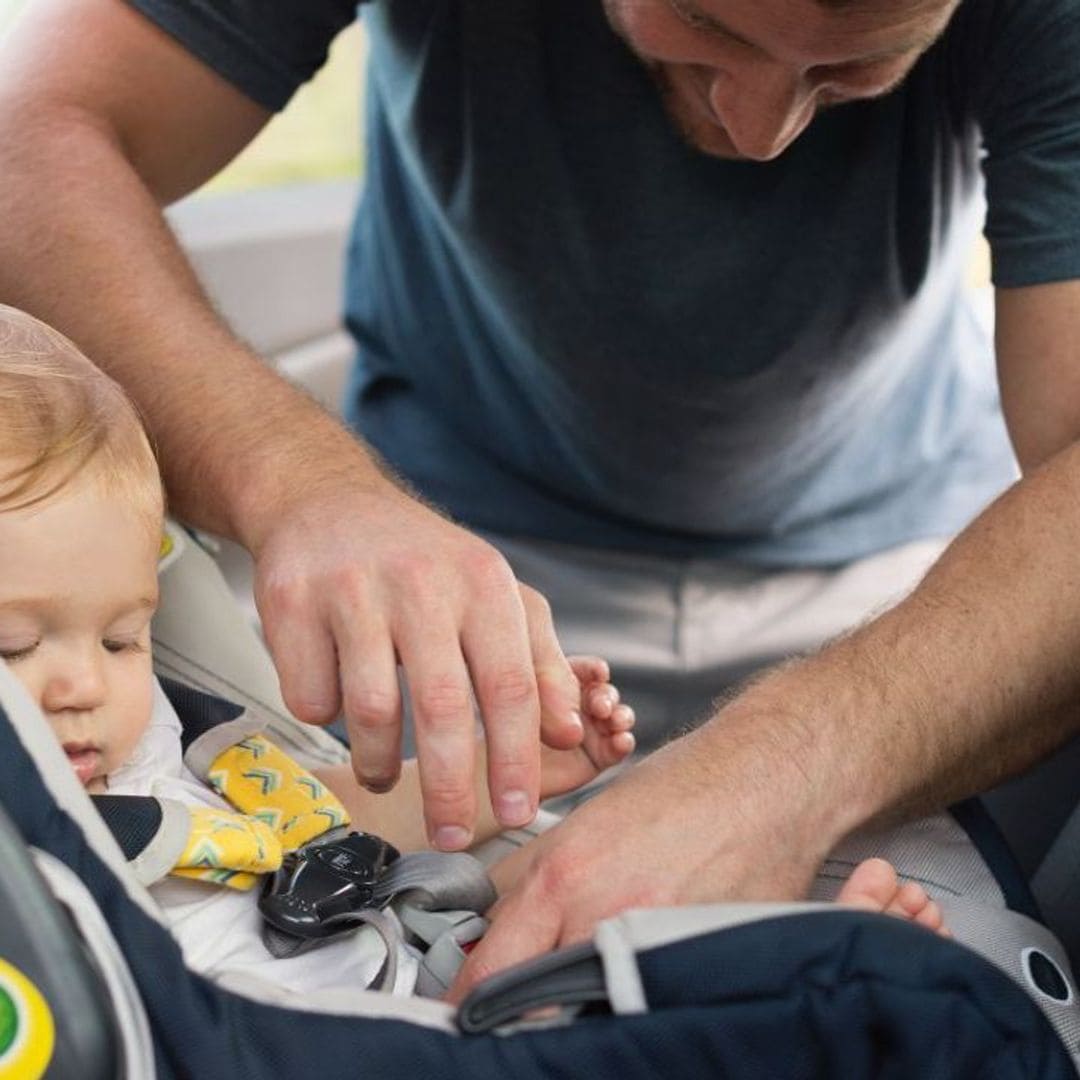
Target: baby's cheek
(139, 709)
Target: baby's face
(78, 584)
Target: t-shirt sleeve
(1030, 118)
(265, 48)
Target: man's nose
(77, 683)
(762, 105)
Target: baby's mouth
(84, 758)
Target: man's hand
(350, 581)
(703, 820)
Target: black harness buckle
(320, 888)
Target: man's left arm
(970, 679)
(1038, 351)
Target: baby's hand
(608, 732)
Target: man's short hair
(61, 416)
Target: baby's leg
(874, 886)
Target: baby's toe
(872, 886)
(931, 917)
(910, 901)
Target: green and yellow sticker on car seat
(27, 1032)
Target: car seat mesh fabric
(201, 711)
(849, 994)
(132, 819)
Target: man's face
(742, 79)
(78, 585)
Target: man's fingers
(558, 686)
(303, 651)
(496, 647)
(445, 725)
(371, 697)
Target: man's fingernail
(514, 808)
(575, 721)
(452, 838)
(378, 784)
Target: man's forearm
(969, 680)
(84, 247)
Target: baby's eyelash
(123, 646)
(11, 655)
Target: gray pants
(680, 633)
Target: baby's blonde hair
(61, 417)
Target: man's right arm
(104, 119)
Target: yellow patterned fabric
(228, 849)
(282, 806)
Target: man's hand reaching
(721, 814)
(350, 583)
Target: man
(628, 290)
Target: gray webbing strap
(445, 933)
(439, 899)
(439, 881)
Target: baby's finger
(622, 719)
(613, 749)
(589, 669)
(600, 701)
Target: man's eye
(17, 654)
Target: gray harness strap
(438, 881)
(437, 897)
(445, 933)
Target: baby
(81, 518)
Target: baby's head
(81, 513)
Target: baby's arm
(397, 815)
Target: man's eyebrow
(690, 13)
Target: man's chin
(699, 132)
(714, 143)
(702, 135)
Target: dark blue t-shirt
(573, 326)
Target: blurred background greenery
(316, 138)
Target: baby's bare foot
(874, 886)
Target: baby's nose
(78, 685)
